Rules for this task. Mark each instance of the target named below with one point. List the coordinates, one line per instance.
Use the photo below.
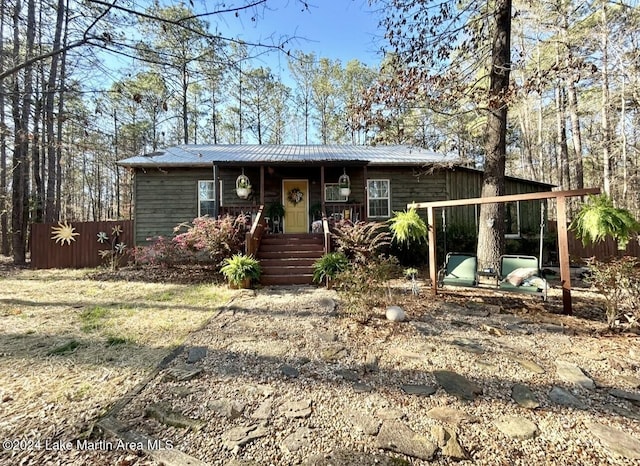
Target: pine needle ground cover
(71, 346)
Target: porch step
(288, 259)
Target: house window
(512, 219)
(379, 198)
(332, 193)
(207, 198)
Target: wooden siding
(166, 198)
(83, 252)
(464, 184)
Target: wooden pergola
(563, 243)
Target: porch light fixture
(243, 186)
(344, 183)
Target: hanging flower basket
(295, 196)
(344, 183)
(243, 186)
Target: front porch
(295, 197)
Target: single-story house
(177, 184)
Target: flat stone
(469, 345)
(165, 415)
(440, 434)
(486, 365)
(289, 371)
(426, 329)
(390, 413)
(552, 328)
(523, 395)
(453, 449)
(296, 409)
(196, 353)
(564, 397)
(516, 427)
(615, 440)
(477, 309)
(632, 380)
(457, 385)
(625, 395)
(515, 328)
(395, 314)
(242, 435)
(624, 412)
(301, 438)
(348, 374)
(360, 387)
(422, 390)
(512, 319)
(181, 374)
(451, 416)
(364, 423)
(333, 352)
(351, 458)
(264, 410)
(571, 373)
(327, 336)
(451, 307)
(529, 365)
(227, 408)
(395, 436)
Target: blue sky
(337, 29)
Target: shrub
(212, 239)
(361, 241)
(329, 266)
(363, 286)
(203, 240)
(409, 237)
(618, 282)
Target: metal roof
(200, 155)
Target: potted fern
(241, 270)
(327, 268)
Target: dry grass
(71, 346)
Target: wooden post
(433, 270)
(322, 201)
(261, 184)
(216, 191)
(563, 252)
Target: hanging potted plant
(344, 184)
(243, 186)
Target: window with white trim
(332, 193)
(207, 197)
(379, 198)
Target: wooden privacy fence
(83, 250)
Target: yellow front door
(295, 195)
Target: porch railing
(237, 210)
(327, 235)
(254, 236)
(353, 212)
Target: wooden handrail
(327, 234)
(254, 236)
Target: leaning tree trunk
(491, 231)
(4, 218)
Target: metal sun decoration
(64, 233)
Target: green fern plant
(598, 218)
(240, 269)
(329, 266)
(407, 227)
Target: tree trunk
(561, 139)
(49, 122)
(606, 130)
(21, 109)
(4, 218)
(491, 228)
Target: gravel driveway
(281, 377)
